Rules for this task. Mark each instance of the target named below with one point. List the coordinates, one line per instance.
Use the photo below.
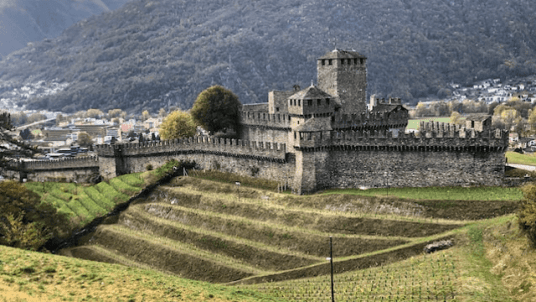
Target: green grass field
(414, 123)
(521, 159)
(32, 276)
(438, 193)
(83, 203)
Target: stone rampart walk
(523, 167)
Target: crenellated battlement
(267, 120)
(431, 140)
(197, 144)
(63, 163)
(369, 120)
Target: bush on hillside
(527, 213)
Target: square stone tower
(343, 74)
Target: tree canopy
(178, 124)
(217, 109)
(25, 222)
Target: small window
(318, 102)
(290, 102)
(294, 134)
(327, 102)
(309, 102)
(355, 61)
(329, 62)
(277, 109)
(342, 61)
(323, 62)
(299, 102)
(362, 61)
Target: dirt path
(523, 167)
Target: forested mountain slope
(23, 21)
(161, 53)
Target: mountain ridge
(162, 53)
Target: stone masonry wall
(80, 169)
(265, 160)
(383, 168)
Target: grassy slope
(522, 159)
(439, 193)
(83, 203)
(31, 276)
(462, 273)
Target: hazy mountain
(23, 21)
(159, 53)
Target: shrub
(149, 167)
(527, 213)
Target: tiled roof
(342, 54)
(310, 93)
(315, 124)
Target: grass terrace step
(246, 251)
(101, 254)
(323, 221)
(178, 258)
(306, 241)
(479, 203)
(347, 264)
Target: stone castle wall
(352, 159)
(265, 160)
(442, 156)
(80, 169)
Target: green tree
(177, 124)
(25, 222)
(217, 109)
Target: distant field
(414, 124)
(521, 159)
(439, 193)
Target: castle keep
(323, 136)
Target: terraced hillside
(211, 231)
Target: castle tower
(343, 74)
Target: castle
(323, 136)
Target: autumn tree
(527, 213)
(217, 109)
(94, 113)
(145, 115)
(177, 124)
(25, 222)
(456, 118)
(116, 113)
(84, 139)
